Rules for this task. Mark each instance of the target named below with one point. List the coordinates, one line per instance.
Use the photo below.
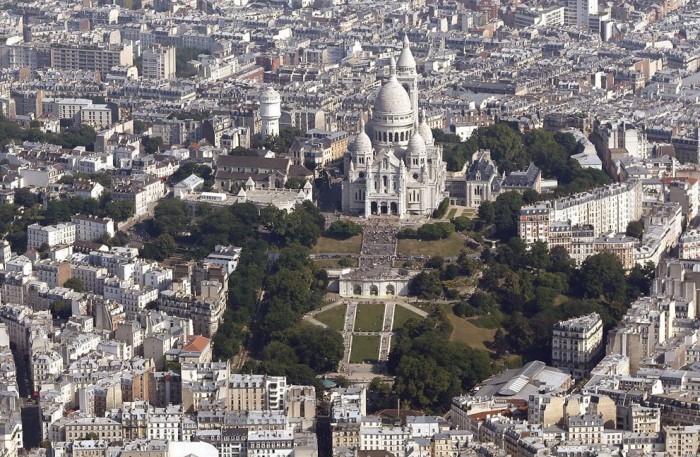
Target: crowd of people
(378, 245)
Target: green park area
(329, 245)
(449, 247)
(364, 349)
(401, 315)
(334, 317)
(466, 332)
(369, 317)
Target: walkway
(385, 339)
(348, 328)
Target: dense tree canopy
(429, 369)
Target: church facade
(394, 167)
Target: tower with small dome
(393, 166)
(270, 112)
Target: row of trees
(76, 135)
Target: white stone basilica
(393, 166)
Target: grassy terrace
(334, 318)
(401, 315)
(449, 247)
(332, 246)
(364, 349)
(333, 263)
(370, 317)
(467, 332)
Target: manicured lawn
(333, 263)
(334, 318)
(370, 317)
(466, 332)
(451, 214)
(401, 315)
(449, 247)
(364, 349)
(332, 246)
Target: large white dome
(392, 99)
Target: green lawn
(466, 332)
(449, 247)
(369, 317)
(332, 246)
(334, 318)
(364, 349)
(333, 263)
(451, 214)
(401, 315)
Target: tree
(441, 210)
(25, 197)
(74, 283)
(426, 285)
(319, 348)
(139, 126)
(462, 223)
(435, 231)
(171, 216)
(435, 263)
(640, 279)
(183, 57)
(506, 146)
(602, 275)
(487, 212)
(150, 144)
(344, 229)
(120, 210)
(635, 229)
(560, 261)
(60, 309)
(161, 248)
(345, 262)
(507, 214)
(500, 343)
(294, 183)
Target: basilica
(393, 166)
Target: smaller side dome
(362, 143)
(416, 145)
(424, 130)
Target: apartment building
(577, 344)
(159, 62)
(52, 272)
(682, 441)
(51, 235)
(101, 427)
(90, 228)
(256, 392)
(98, 116)
(100, 57)
(689, 245)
